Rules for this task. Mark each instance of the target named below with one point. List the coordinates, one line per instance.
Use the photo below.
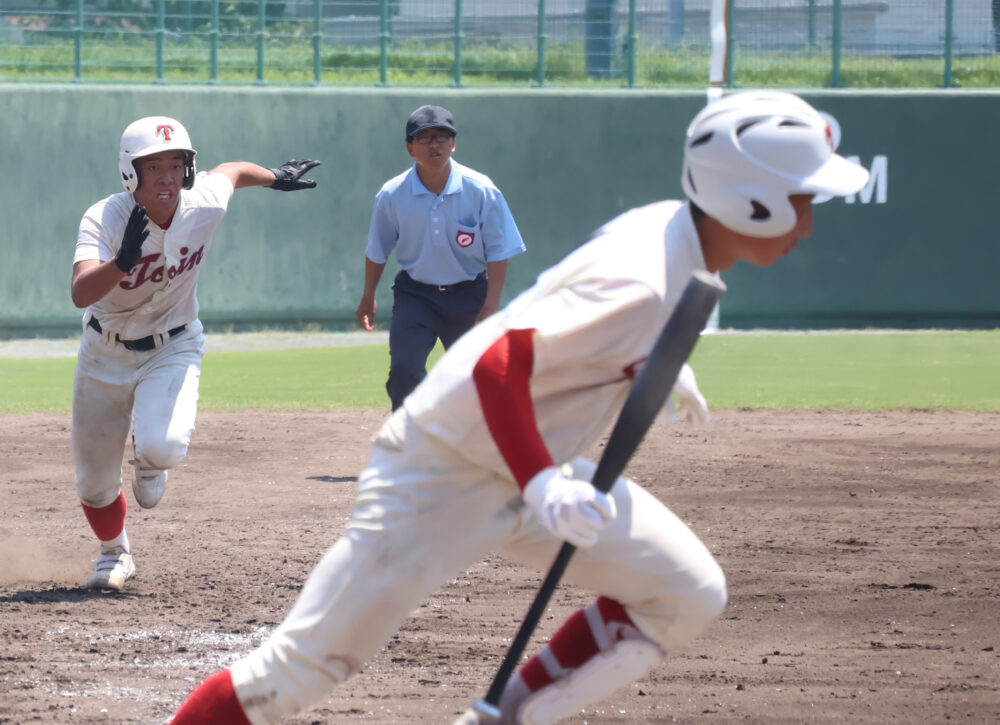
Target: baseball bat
(649, 392)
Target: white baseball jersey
(160, 292)
(595, 315)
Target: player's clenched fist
(135, 234)
(571, 509)
(288, 176)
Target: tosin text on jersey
(143, 273)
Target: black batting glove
(288, 176)
(135, 234)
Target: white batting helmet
(148, 136)
(744, 154)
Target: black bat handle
(529, 623)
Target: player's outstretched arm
(287, 177)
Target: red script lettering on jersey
(145, 272)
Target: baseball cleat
(481, 713)
(473, 717)
(111, 570)
(148, 485)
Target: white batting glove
(691, 406)
(571, 509)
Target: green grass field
(953, 370)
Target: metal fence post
(730, 43)
(213, 47)
(261, 30)
(675, 22)
(458, 44)
(836, 40)
(812, 24)
(161, 29)
(949, 30)
(542, 38)
(78, 44)
(318, 44)
(383, 43)
(633, 43)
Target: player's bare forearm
(245, 173)
(92, 280)
(287, 177)
(496, 273)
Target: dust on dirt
(862, 551)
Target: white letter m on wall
(878, 182)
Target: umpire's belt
(446, 287)
(143, 343)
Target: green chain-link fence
(579, 43)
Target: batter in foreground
(485, 454)
(135, 270)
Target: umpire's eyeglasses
(440, 138)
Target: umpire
(452, 232)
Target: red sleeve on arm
(502, 377)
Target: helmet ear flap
(130, 174)
(756, 211)
(190, 170)
(767, 212)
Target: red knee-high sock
(213, 702)
(107, 521)
(575, 641)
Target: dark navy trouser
(421, 315)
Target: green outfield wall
(914, 249)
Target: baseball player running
(485, 454)
(135, 270)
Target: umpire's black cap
(429, 117)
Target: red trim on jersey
(502, 377)
(214, 701)
(108, 521)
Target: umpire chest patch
(464, 239)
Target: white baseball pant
(424, 514)
(113, 385)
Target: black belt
(446, 287)
(143, 343)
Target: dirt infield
(862, 551)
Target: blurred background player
(484, 455)
(135, 269)
(452, 232)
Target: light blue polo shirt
(442, 238)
